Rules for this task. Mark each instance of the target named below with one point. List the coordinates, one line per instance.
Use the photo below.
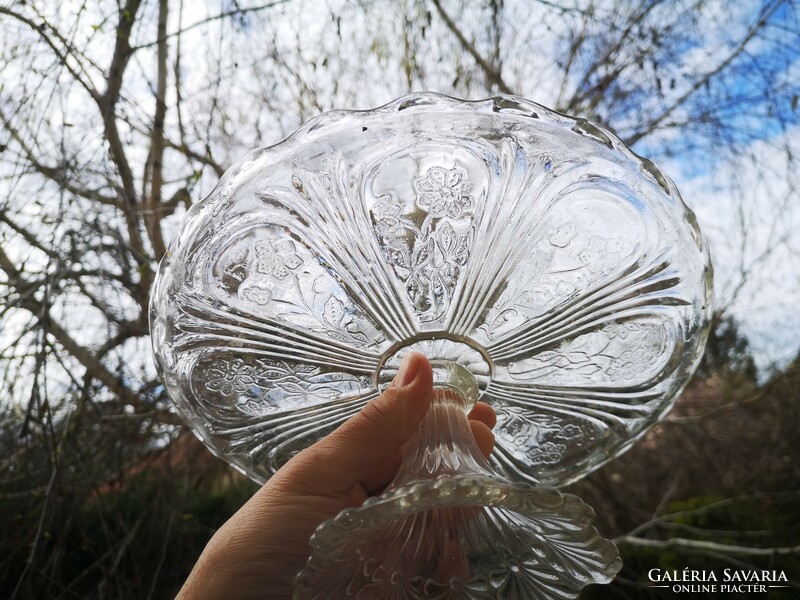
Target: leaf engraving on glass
(428, 257)
(263, 385)
(581, 286)
(333, 312)
(273, 278)
(539, 438)
(628, 352)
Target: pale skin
(258, 552)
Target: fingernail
(407, 371)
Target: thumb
(349, 454)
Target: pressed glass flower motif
(276, 259)
(528, 249)
(444, 192)
(229, 376)
(258, 294)
(560, 266)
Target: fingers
(482, 419)
(485, 413)
(382, 475)
(483, 436)
(367, 448)
(368, 440)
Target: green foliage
(130, 521)
(138, 541)
(720, 474)
(727, 349)
(764, 520)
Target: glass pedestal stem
(449, 527)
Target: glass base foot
(449, 527)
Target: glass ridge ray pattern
(450, 528)
(569, 266)
(533, 258)
(270, 337)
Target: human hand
(258, 552)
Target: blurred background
(116, 116)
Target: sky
(258, 77)
(740, 226)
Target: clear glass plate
(532, 248)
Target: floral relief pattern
(561, 235)
(444, 192)
(264, 385)
(388, 217)
(563, 262)
(258, 295)
(542, 439)
(430, 265)
(644, 344)
(276, 259)
(601, 254)
(582, 288)
(272, 275)
(230, 376)
(619, 352)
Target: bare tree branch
(690, 544)
(593, 93)
(493, 76)
(93, 366)
(234, 12)
(58, 175)
(78, 74)
(767, 11)
(153, 168)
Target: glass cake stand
(540, 265)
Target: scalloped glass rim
(555, 554)
(578, 361)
